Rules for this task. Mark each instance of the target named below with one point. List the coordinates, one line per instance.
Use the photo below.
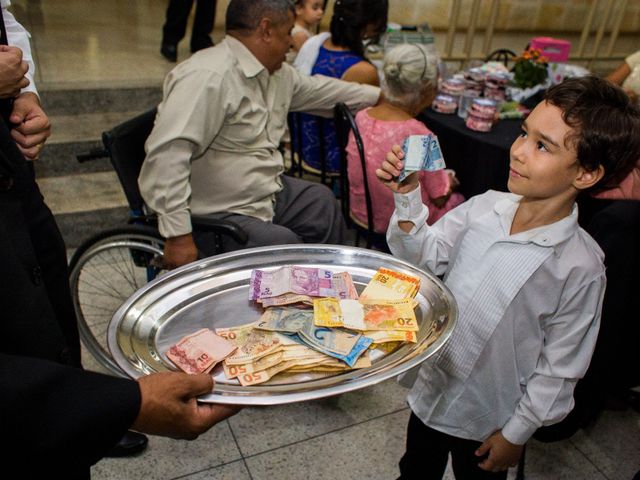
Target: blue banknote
(421, 152)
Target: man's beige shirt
(214, 145)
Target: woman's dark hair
(606, 126)
(246, 14)
(350, 17)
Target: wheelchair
(110, 266)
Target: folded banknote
(421, 152)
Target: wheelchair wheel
(104, 272)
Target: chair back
(503, 55)
(125, 144)
(345, 123)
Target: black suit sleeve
(60, 415)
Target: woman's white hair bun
(392, 70)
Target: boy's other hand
(391, 168)
(501, 453)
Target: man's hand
(12, 71)
(502, 453)
(391, 168)
(32, 125)
(169, 406)
(179, 251)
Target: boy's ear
(588, 178)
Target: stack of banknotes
(314, 321)
(421, 152)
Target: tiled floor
(360, 435)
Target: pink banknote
(200, 351)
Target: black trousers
(428, 452)
(176, 22)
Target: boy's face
(310, 12)
(542, 167)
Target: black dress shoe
(169, 51)
(131, 443)
(201, 43)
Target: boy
(528, 282)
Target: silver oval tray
(213, 293)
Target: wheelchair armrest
(224, 227)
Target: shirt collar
(546, 236)
(247, 62)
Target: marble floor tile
(264, 428)
(166, 458)
(231, 471)
(369, 450)
(83, 192)
(612, 443)
(558, 461)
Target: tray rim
(249, 396)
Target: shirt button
(36, 275)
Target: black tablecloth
(481, 160)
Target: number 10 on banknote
(421, 152)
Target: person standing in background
(175, 26)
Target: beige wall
(513, 15)
(517, 22)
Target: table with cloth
(481, 160)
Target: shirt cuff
(175, 223)
(518, 431)
(409, 207)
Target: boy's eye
(542, 146)
(522, 134)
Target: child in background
(339, 54)
(527, 279)
(409, 86)
(308, 16)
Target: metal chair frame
(346, 123)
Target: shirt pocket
(247, 125)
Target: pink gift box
(555, 49)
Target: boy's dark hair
(350, 17)
(606, 124)
(246, 14)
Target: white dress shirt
(214, 145)
(529, 312)
(18, 36)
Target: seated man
(214, 147)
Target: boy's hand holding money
(391, 168)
